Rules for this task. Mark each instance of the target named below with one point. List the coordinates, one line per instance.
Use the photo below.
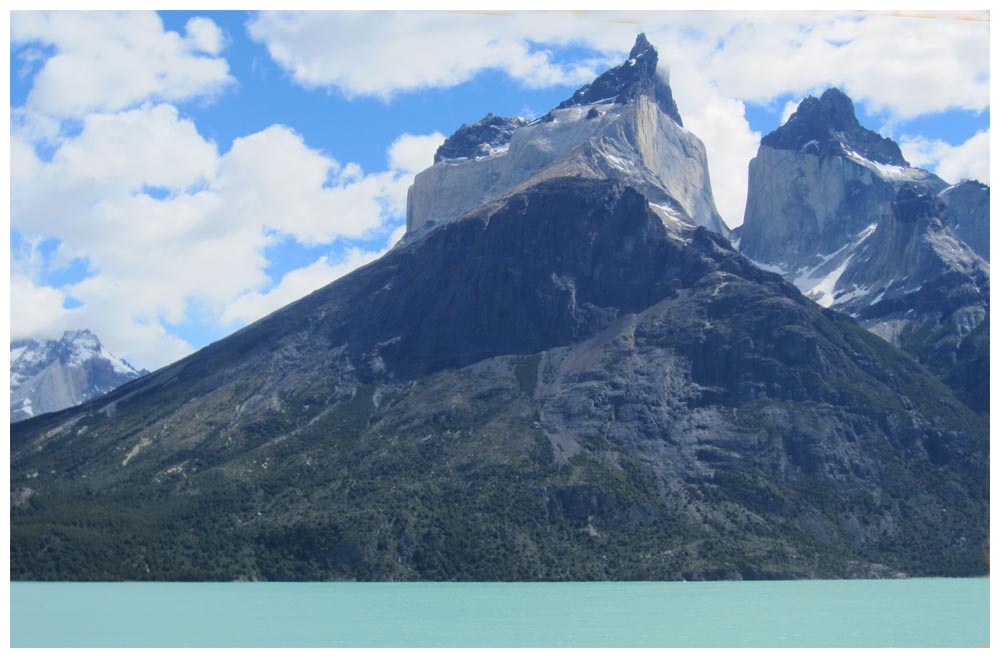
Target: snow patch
(888, 172)
(619, 163)
(821, 290)
(672, 219)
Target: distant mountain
(566, 377)
(835, 208)
(55, 374)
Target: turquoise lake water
(934, 612)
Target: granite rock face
(558, 386)
(52, 375)
(969, 206)
(835, 209)
(633, 135)
(818, 183)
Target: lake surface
(934, 612)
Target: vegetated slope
(557, 386)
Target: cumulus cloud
(204, 35)
(906, 65)
(789, 110)
(383, 53)
(414, 153)
(295, 284)
(901, 64)
(968, 160)
(186, 227)
(109, 61)
(36, 311)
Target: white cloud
(789, 110)
(414, 153)
(383, 53)
(905, 65)
(36, 311)
(199, 246)
(730, 142)
(204, 35)
(969, 160)
(902, 64)
(109, 61)
(295, 284)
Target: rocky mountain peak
(81, 339)
(642, 47)
(50, 375)
(623, 126)
(914, 204)
(828, 126)
(969, 205)
(636, 77)
(485, 137)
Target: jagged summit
(636, 77)
(489, 135)
(50, 375)
(828, 125)
(623, 126)
(834, 207)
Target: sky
(178, 175)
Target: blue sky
(175, 176)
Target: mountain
(566, 382)
(969, 205)
(55, 374)
(623, 126)
(836, 209)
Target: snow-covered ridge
(887, 171)
(819, 281)
(50, 375)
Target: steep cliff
(623, 126)
(835, 209)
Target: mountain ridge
(55, 374)
(567, 377)
(874, 238)
(712, 422)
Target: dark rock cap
(915, 204)
(830, 122)
(636, 77)
(477, 140)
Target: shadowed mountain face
(557, 386)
